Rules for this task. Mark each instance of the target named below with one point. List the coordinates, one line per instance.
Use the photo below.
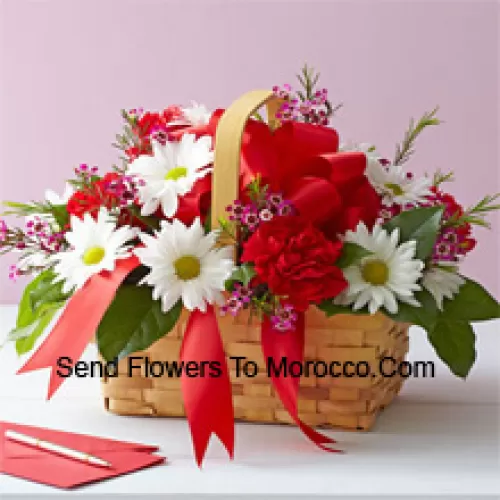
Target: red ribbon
(290, 345)
(207, 400)
(79, 321)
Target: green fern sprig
(476, 215)
(406, 148)
(441, 177)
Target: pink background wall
(68, 66)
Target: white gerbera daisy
(95, 245)
(441, 284)
(197, 114)
(54, 199)
(171, 172)
(394, 184)
(388, 274)
(185, 265)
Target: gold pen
(57, 449)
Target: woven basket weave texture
(346, 402)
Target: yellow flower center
(395, 188)
(93, 255)
(187, 267)
(176, 173)
(375, 272)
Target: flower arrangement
(317, 224)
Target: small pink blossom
(296, 108)
(250, 218)
(236, 210)
(83, 170)
(242, 293)
(14, 273)
(136, 112)
(284, 317)
(274, 199)
(3, 230)
(265, 215)
(232, 306)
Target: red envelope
(41, 466)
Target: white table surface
(441, 436)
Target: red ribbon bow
(301, 161)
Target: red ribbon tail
(290, 345)
(207, 398)
(78, 322)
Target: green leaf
(449, 330)
(136, 275)
(472, 303)
(40, 291)
(243, 274)
(420, 224)
(25, 344)
(351, 253)
(330, 309)
(151, 221)
(207, 226)
(133, 322)
(15, 204)
(454, 342)
(40, 301)
(25, 331)
(60, 214)
(25, 316)
(425, 316)
(47, 292)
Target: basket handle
(226, 172)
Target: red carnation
(458, 239)
(82, 202)
(172, 113)
(296, 260)
(148, 123)
(153, 122)
(101, 193)
(170, 124)
(97, 195)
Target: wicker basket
(348, 402)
